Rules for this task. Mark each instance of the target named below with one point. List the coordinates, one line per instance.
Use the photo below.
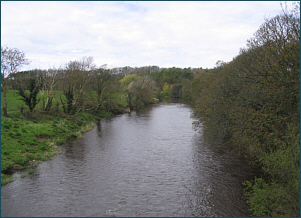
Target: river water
(146, 163)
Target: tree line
(253, 104)
(81, 86)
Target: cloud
(167, 34)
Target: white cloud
(167, 34)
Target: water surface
(145, 163)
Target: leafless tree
(74, 81)
(11, 60)
(50, 79)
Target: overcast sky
(132, 33)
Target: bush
(271, 199)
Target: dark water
(147, 163)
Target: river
(145, 163)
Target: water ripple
(146, 163)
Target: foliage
(186, 87)
(172, 76)
(175, 91)
(33, 85)
(166, 90)
(141, 91)
(271, 199)
(68, 103)
(102, 84)
(253, 103)
(125, 82)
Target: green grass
(29, 172)
(26, 142)
(14, 102)
(6, 179)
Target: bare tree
(11, 60)
(49, 82)
(74, 81)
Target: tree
(142, 91)
(253, 104)
(128, 79)
(28, 89)
(186, 87)
(49, 82)
(166, 89)
(74, 81)
(11, 60)
(175, 91)
(125, 82)
(101, 85)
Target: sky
(132, 33)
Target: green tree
(100, 82)
(253, 104)
(166, 89)
(142, 92)
(28, 89)
(186, 87)
(125, 83)
(175, 91)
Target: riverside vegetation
(252, 103)
(48, 107)
(27, 141)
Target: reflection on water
(145, 163)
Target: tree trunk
(4, 108)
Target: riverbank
(27, 142)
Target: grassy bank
(26, 142)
